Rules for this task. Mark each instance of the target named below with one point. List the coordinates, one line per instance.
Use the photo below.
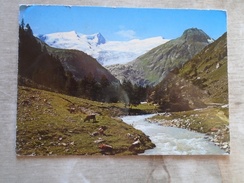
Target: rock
(225, 143)
(99, 141)
(225, 106)
(225, 147)
(214, 129)
(64, 144)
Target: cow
(90, 117)
(106, 149)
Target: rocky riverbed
(218, 134)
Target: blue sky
(123, 24)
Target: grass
(202, 120)
(46, 125)
(147, 108)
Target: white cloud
(128, 34)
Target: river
(171, 140)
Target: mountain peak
(194, 34)
(98, 37)
(101, 39)
(154, 66)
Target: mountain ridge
(153, 66)
(201, 81)
(95, 45)
(70, 72)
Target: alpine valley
(72, 89)
(183, 74)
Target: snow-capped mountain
(95, 45)
(121, 52)
(72, 40)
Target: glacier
(106, 52)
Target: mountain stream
(171, 140)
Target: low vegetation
(201, 120)
(53, 124)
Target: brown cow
(105, 148)
(89, 117)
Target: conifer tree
(28, 29)
(22, 25)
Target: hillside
(49, 123)
(208, 70)
(201, 81)
(153, 66)
(60, 70)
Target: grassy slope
(202, 120)
(45, 126)
(208, 70)
(170, 55)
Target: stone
(225, 146)
(214, 129)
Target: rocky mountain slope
(105, 52)
(154, 65)
(208, 70)
(201, 81)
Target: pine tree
(89, 87)
(22, 25)
(71, 84)
(28, 29)
(104, 82)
